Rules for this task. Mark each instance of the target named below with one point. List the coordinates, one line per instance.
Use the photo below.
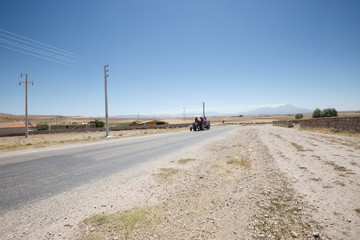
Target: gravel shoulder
(256, 182)
(325, 170)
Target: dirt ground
(258, 182)
(44, 140)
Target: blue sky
(165, 55)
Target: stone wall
(18, 131)
(340, 123)
(285, 123)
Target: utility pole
(203, 109)
(106, 103)
(184, 114)
(26, 104)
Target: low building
(21, 125)
(16, 129)
(148, 123)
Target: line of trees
(328, 112)
(93, 124)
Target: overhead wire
(35, 55)
(47, 45)
(39, 46)
(37, 49)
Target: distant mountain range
(283, 109)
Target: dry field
(36, 141)
(6, 119)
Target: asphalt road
(29, 177)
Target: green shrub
(97, 124)
(316, 113)
(299, 116)
(42, 126)
(329, 112)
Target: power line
(49, 46)
(36, 55)
(39, 46)
(37, 49)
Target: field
(6, 119)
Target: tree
(316, 113)
(299, 116)
(329, 112)
(97, 124)
(42, 126)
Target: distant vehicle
(200, 125)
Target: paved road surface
(27, 177)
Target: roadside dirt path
(258, 182)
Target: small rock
(92, 229)
(349, 220)
(294, 234)
(316, 234)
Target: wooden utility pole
(106, 103)
(26, 102)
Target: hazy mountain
(180, 115)
(283, 109)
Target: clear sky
(164, 56)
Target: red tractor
(200, 124)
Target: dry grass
(119, 225)
(45, 143)
(317, 157)
(166, 173)
(280, 215)
(331, 131)
(242, 161)
(185, 160)
(315, 179)
(20, 142)
(298, 147)
(339, 183)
